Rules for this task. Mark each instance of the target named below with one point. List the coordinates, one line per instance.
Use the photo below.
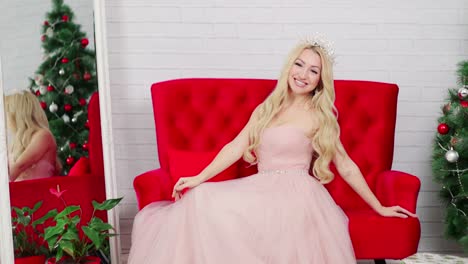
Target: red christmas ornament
(43, 105)
(87, 124)
(84, 42)
(464, 104)
(65, 60)
(67, 107)
(38, 93)
(65, 18)
(46, 23)
(50, 88)
(70, 160)
(87, 76)
(43, 38)
(72, 145)
(443, 128)
(82, 102)
(85, 146)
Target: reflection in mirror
(53, 126)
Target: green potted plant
(28, 236)
(65, 240)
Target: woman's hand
(185, 182)
(395, 211)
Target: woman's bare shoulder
(43, 135)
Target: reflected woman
(33, 151)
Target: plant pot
(31, 260)
(87, 260)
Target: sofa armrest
(151, 186)
(81, 167)
(398, 188)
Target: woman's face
(304, 75)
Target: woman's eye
(298, 64)
(314, 71)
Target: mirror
(57, 124)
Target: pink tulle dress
(41, 169)
(282, 215)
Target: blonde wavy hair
(326, 139)
(25, 117)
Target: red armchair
(84, 183)
(195, 115)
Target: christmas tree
(450, 159)
(64, 82)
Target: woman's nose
(303, 73)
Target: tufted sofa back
(205, 114)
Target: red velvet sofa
(84, 183)
(195, 118)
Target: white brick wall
(415, 44)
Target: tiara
(320, 41)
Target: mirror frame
(6, 241)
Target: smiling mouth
(299, 83)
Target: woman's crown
(320, 41)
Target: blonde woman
(282, 214)
(33, 151)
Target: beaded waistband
(289, 171)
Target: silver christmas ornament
(38, 79)
(463, 92)
(42, 89)
(53, 107)
(66, 118)
(61, 71)
(49, 32)
(451, 156)
(74, 119)
(69, 89)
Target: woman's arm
(229, 154)
(350, 172)
(39, 145)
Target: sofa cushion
(184, 163)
